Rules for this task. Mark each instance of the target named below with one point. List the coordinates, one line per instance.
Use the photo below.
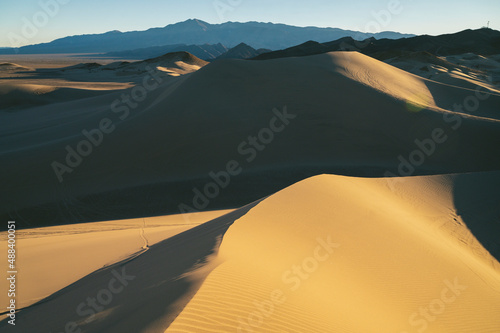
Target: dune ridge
(341, 254)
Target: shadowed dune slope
(146, 294)
(340, 112)
(80, 249)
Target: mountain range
(482, 41)
(258, 35)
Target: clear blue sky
(97, 16)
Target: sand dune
(464, 70)
(14, 97)
(348, 114)
(24, 87)
(354, 195)
(340, 254)
(328, 254)
(179, 63)
(176, 63)
(11, 67)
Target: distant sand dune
(8, 66)
(21, 96)
(178, 63)
(352, 114)
(464, 70)
(23, 87)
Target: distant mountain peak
(192, 23)
(196, 20)
(243, 46)
(242, 51)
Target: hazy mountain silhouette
(258, 35)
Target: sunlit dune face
(419, 102)
(339, 253)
